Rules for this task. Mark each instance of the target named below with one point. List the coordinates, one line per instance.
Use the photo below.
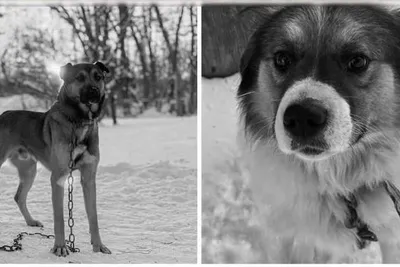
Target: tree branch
(164, 31)
(178, 27)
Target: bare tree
(18, 77)
(150, 51)
(141, 46)
(173, 54)
(193, 63)
(147, 23)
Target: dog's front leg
(88, 181)
(60, 248)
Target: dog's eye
(282, 60)
(80, 78)
(358, 64)
(97, 77)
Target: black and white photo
(98, 131)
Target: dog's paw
(101, 248)
(60, 250)
(34, 223)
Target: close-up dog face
(320, 80)
(84, 85)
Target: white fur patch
(61, 181)
(80, 149)
(338, 131)
(302, 203)
(87, 158)
(82, 131)
(293, 30)
(26, 156)
(319, 17)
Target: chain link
(70, 243)
(71, 237)
(18, 246)
(17, 241)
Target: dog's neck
(333, 180)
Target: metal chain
(70, 243)
(71, 238)
(17, 241)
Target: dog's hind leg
(27, 172)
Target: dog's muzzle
(313, 121)
(90, 95)
(305, 120)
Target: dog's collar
(85, 123)
(394, 195)
(365, 235)
(77, 121)
(74, 115)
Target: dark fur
(320, 57)
(27, 137)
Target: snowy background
(147, 195)
(146, 182)
(231, 232)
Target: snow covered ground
(231, 232)
(147, 198)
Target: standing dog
(320, 120)
(28, 137)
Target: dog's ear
(258, 16)
(102, 66)
(248, 67)
(249, 63)
(64, 70)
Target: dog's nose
(305, 119)
(93, 94)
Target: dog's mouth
(308, 149)
(311, 151)
(90, 101)
(90, 95)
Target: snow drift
(147, 198)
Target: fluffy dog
(66, 133)
(320, 120)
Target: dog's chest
(81, 134)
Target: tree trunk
(113, 108)
(193, 64)
(123, 60)
(153, 68)
(142, 57)
(173, 57)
